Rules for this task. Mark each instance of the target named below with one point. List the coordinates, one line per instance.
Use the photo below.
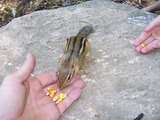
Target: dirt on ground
(10, 9)
(137, 3)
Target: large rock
(122, 83)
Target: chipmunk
(76, 49)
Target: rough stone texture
(122, 83)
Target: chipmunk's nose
(61, 84)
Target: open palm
(24, 97)
(151, 36)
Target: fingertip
(144, 51)
(30, 62)
(79, 84)
(147, 48)
(29, 55)
(26, 69)
(136, 43)
(156, 44)
(138, 49)
(24, 72)
(75, 93)
(77, 77)
(147, 29)
(71, 98)
(140, 39)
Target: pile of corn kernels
(52, 93)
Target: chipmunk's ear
(61, 61)
(65, 46)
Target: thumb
(24, 72)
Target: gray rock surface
(122, 83)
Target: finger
(141, 38)
(71, 97)
(153, 24)
(156, 44)
(156, 32)
(47, 78)
(24, 72)
(147, 41)
(150, 47)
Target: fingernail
(28, 55)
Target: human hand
(24, 97)
(151, 37)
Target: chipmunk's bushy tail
(85, 31)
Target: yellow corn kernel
(52, 94)
(63, 95)
(143, 44)
(55, 98)
(50, 88)
(59, 100)
(48, 93)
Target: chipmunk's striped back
(76, 44)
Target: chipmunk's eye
(69, 76)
